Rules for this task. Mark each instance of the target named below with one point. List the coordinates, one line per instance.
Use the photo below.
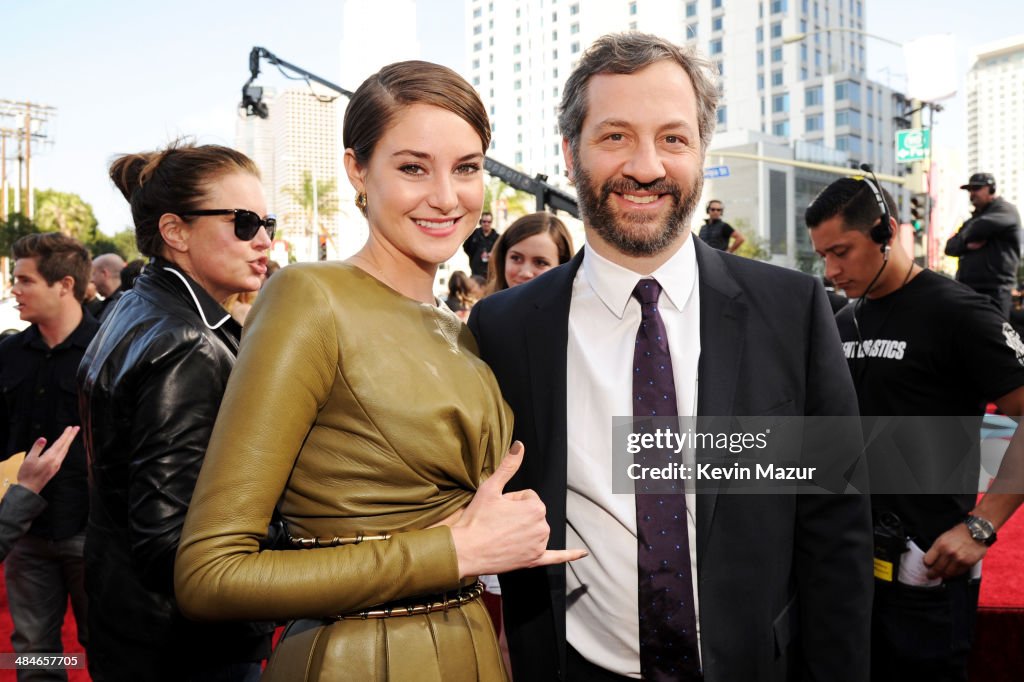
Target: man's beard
(633, 233)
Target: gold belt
(311, 543)
(419, 605)
(413, 606)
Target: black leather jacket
(150, 385)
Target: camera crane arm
(545, 193)
(252, 95)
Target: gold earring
(361, 201)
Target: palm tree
(517, 202)
(66, 213)
(326, 202)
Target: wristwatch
(981, 530)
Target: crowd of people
(358, 459)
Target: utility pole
(33, 117)
(929, 229)
(919, 178)
(4, 134)
(26, 201)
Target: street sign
(912, 145)
(716, 172)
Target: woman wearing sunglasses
(150, 385)
(360, 410)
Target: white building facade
(777, 90)
(995, 115)
(298, 139)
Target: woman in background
(149, 388)
(460, 296)
(360, 410)
(530, 246)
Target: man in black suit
(782, 582)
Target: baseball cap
(980, 180)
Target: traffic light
(918, 217)
(322, 254)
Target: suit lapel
(723, 323)
(547, 338)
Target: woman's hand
(500, 532)
(39, 467)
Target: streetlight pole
(917, 177)
(797, 37)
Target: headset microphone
(881, 233)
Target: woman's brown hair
(381, 96)
(171, 180)
(529, 225)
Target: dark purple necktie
(668, 623)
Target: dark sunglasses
(247, 223)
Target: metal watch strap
(981, 529)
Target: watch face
(981, 530)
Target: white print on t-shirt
(879, 348)
(1013, 340)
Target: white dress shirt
(602, 621)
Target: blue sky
(128, 76)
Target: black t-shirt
(478, 247)
(932, 348)
(716, 233)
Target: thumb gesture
(495, 485)
(501, 532)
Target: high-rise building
(792, 82)
(300, 139)
(296, 147)
(306, 155)
(995, 114)
(254, 137)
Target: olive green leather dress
(354, 410)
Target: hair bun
(127, 171)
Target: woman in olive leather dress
(359, 408)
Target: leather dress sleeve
(289, 361)
(171, 427)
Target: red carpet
(998, 652)
(999, 643)
(1003, 568)
(69, 635)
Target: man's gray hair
(623, 53)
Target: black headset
(881, 233)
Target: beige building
(298, 139)
(790, 90)
(995, 115)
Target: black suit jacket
(784, 580)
